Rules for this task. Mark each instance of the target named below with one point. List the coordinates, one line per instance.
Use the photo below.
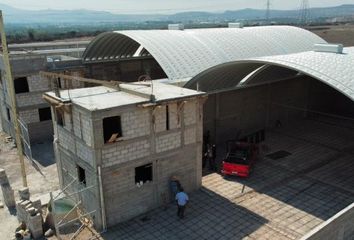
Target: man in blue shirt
(182, 200)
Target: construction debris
(8, 139)
(49, 233)
(30, 213)
(24, 193)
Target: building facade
(127, 145)
(26, 63)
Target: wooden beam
(52, 75)
(11, 90)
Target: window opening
(59, 82)
(8, 114)
(21, 85)
(143, 174)
(44, 114)
(81, 175)
(167, 118)
(112, 129)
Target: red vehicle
(240, 159)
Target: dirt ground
(41, 176)
(336, 34)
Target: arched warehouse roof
(186, 53)
(333, 69)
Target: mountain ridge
(80, 16)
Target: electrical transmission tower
(268, 11)
(304, 13)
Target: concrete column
(7, 191)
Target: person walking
(175, 186)
(182, 201)
(212, 157)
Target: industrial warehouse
(141, 105)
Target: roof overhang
(335, 70)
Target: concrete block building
(27, 60)
(127, 143)
(122, 145)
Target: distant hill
(18, 16)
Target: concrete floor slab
(283, 199)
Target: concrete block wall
(190, 135)
(190, 113)
(127, 71)
(30, 213)
(29, 116)
(160, 115)
(174, 115)
(168, 141)
(160, 119)
(242, 111)
(67, 168)
(339, 227)
(68, 121)
(37, 83)
(30, 99)
(173, 151)
(28, 103)
(124, 200)
(75, 146)
(135, 123)
(290, 95)
(125, 151)
(82, 125)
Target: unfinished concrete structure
(160, 140)
(27, 60)
(292, 84)
(127, 143)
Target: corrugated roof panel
(184, 54)
(335, 70)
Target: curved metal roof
(335, 70)
(186, 53)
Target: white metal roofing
(335, 70)
(186, 53)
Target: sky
(165, 6)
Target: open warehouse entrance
(304, 102)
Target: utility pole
(268, 11)
(304, 13)
(11, 91)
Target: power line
(268, 11)
(304, 13)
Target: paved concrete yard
(283, 199)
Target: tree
(31, 34)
